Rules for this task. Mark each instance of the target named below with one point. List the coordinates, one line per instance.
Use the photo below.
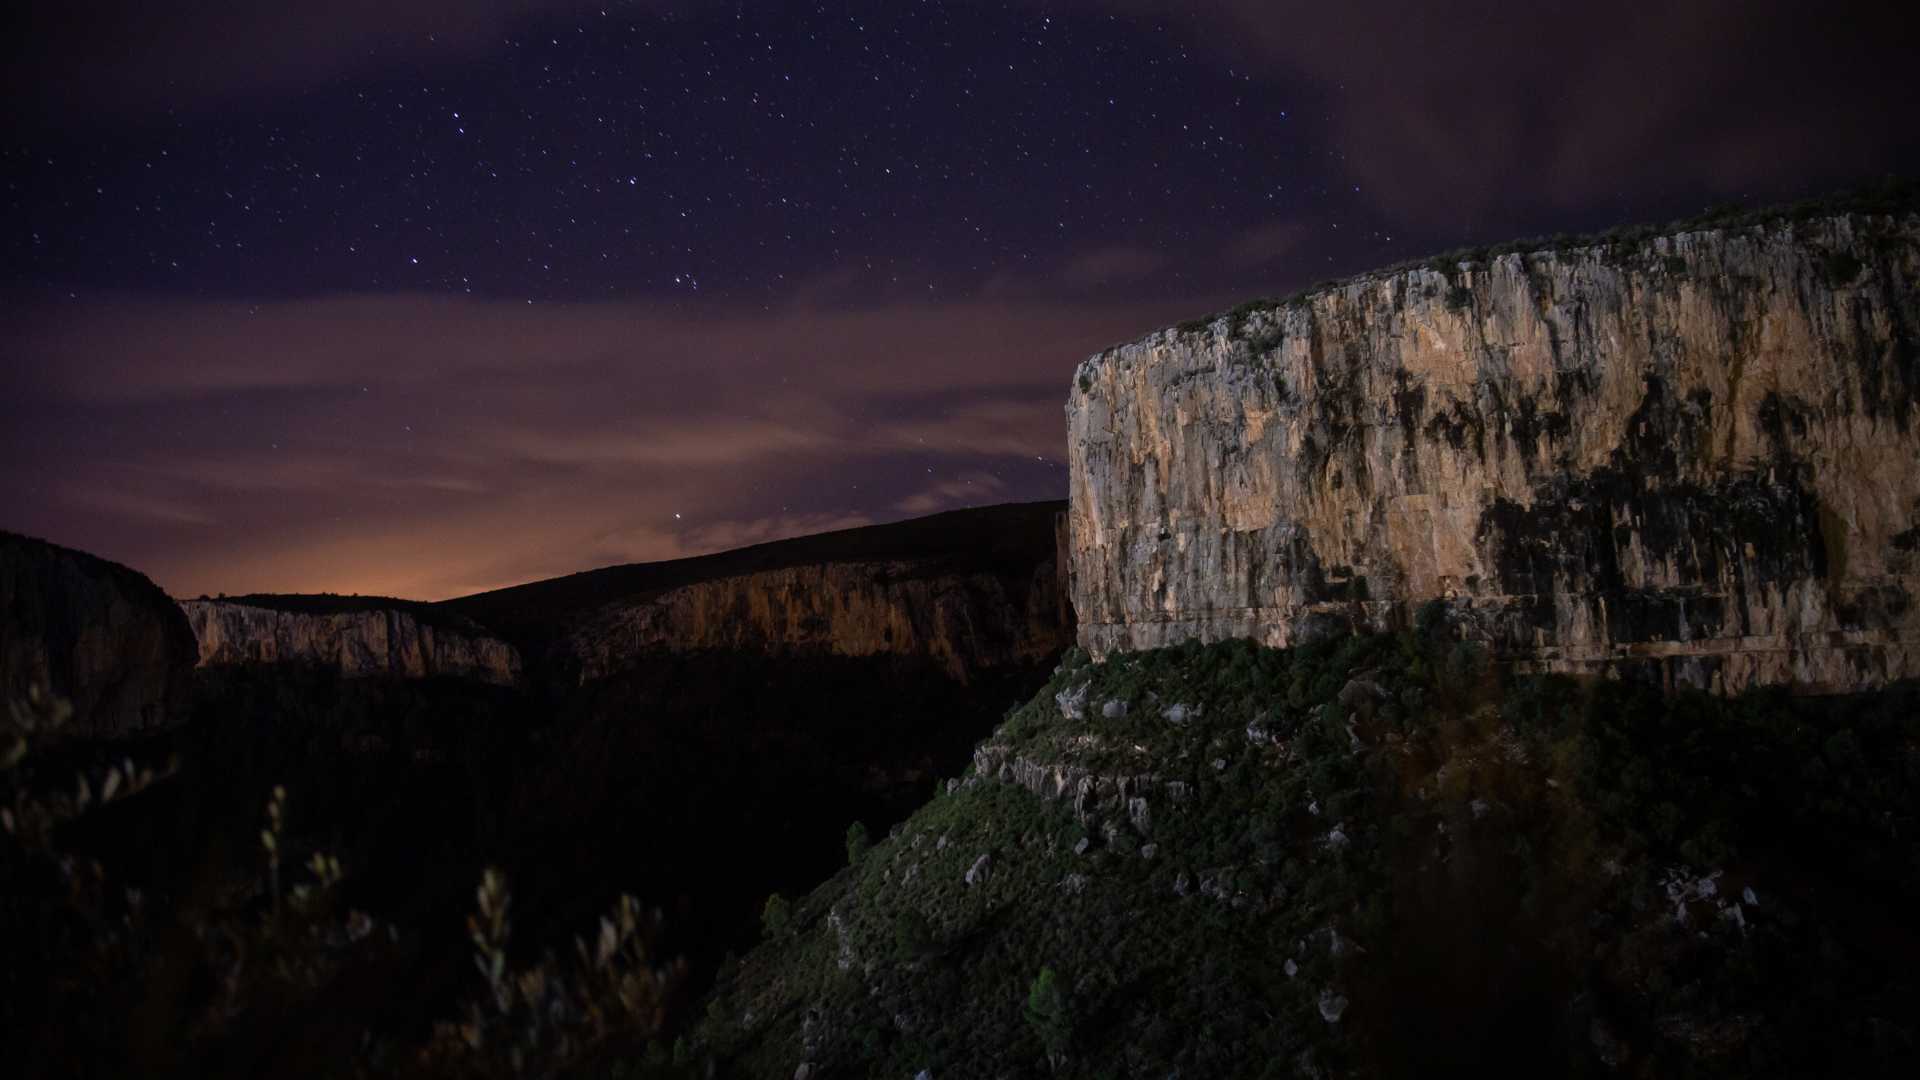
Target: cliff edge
(357, 636)
(1692, 455)
(94, 632)
(964, 591)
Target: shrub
(776, 916)
(857, 842)
(1049, 1015)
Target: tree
(913, 936)
(776, 916)
(857, 842)
(1050, 1015)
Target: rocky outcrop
(372, 641)
(961, 620)
(1697, 455)
(93, 632)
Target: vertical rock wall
(375, 641)
(1697, 456)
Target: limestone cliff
(1695, 453)
(357, 640)
(94, 632)
(963, 591)
(963, 621)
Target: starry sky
(425, 297)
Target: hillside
(1366, 856)
(96, 633)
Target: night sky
(423, 298)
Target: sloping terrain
(1366, 856)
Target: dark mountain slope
(1367, 856)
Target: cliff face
(94, 632)
(1698, 453)
(371, 641)
(962, 620)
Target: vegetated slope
(1367, 856)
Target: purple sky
(424, 298)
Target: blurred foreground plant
(546, 1017)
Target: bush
(1049, 1015)
(857, 842)
(776, 916)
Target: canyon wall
(1694, 457)
(963, 620)
(365, 642)
(93, 632)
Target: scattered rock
(1291, 968)
(1332, 1006)
(1114, 710)
(1073, 703)
(1148, 851)
(977, 874)
(1139, 815)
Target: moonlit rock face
(964, 622)
(356, 643)
(1697, 455)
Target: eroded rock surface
(962, 621)
(358, 643)
(1697, 456)
(93, 632)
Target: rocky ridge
(1695, 455)
(93, 632)
(369, 641)
(961, 621)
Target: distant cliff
(94, 632)
(961, 621)
(358, 639)
(963, 591)
(1697, 453)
